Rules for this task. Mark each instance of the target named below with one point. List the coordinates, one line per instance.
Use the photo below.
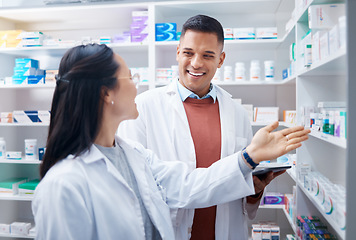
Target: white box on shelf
(332, 105)
(324, 45)
(266, 114)
(4, 228)
(316, 46)
(334, 39)
(325, 16)
(20, 228)
(266, 33)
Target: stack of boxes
(311, 227)
(166, 32)
(31, 39)
(265, 230)
(20, 38)
(139, 26)
(27, 71)
(10, 38)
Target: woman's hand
(268, 145)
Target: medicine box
(266, 33)
(256, 232)
(12, 155)
(6, 117)
(25, 116)
(24, 71)
(265, 114)
(244, 33)
(165, 36)
(290, 116)
(44, 116)
(41, 152)
(26, 35)
(275, 233)
(140, 37)
(32, 42)
(228, 34)
(10, 186)
(136, 28)
(166, 31)
(26, 62)
(28, 188)
(4, 228)
(166, 27)
(20, 228)
(324, 45)
(325, 16)
(140, 17)
(273, 198)
(332, 105)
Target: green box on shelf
(28, 187)
(11, 186)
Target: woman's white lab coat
(87, 198)
(162, 126)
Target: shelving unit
(328, 80)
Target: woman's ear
(105, 95)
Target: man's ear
(221, 59)
(178, 51)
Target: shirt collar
(184, 93)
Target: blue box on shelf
(26, 62)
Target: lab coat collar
(94, 154)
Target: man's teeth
(196, 74)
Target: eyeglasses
(135, 78)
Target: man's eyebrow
(190, 49)
(211, 52)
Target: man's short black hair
(206, 24)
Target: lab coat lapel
(227, 121)
(176, 103)
(94, 154)
(153, 205)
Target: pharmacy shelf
(341, 142)
(24, 124)
(70, 12)
(22, 161)
(16, 236)
(291, 173)
(313, 200)
(289, 80)
(249, 83)
(332, 65)
(282, 207)
(15, 198)
(290, 220)
(270, 206)
(283, 124)
(20, 86)
(303, 14)
(231, 45)
(60, 50)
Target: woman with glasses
(96, 185)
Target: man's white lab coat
(163, 127)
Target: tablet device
(265, 169)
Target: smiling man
(195, 121)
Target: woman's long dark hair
(76, 111)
